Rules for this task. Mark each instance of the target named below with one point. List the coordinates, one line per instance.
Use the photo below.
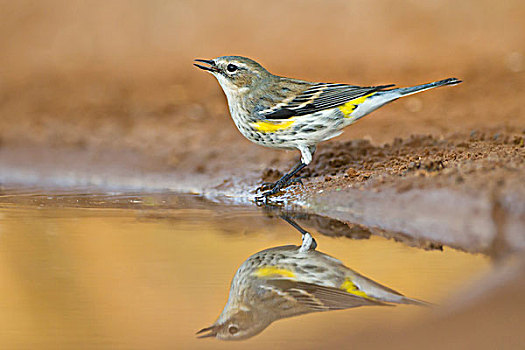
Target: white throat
(230, 90)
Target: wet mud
(466, 191)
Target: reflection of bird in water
(288, 281)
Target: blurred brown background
(118, 75)
(295, 37)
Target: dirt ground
(94, 91)
(464, 161)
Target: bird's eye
(233, 329)
(231, 68)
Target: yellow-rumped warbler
(288, 281)
(286, 113)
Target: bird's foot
(264, 201)
(297, 180)
(266, 186)
(269, 189)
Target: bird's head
(239, 325)
(235, 73)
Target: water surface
(127, 271)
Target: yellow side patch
(351, 288)
(272, 126)
(350, 106)
(272, 271)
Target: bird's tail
(411, 301)
(419, 88)
(383, 97)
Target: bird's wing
(319, 298)
(316, 98)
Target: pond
(143, 271)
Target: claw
(268, 189)
(298, 180)
(264, 200)
(272, 188)
(261, 201)
(265, 186)
(272, 192)
(270, 202)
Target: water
(127, 271)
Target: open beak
(211, 331)
(211, 68)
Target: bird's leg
(309, 242)
(307, 153)
(286, 180)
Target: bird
(291, 280)
(286, 113)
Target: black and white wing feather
(316, 98)
(313, 297)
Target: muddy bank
(465, 191)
